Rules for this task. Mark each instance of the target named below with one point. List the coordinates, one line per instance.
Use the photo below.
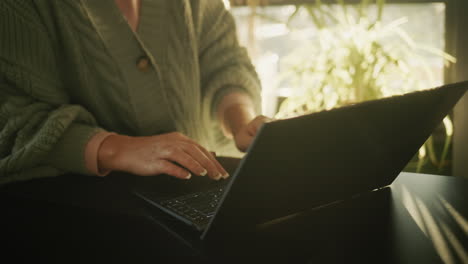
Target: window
(270, 41)
(282, 41)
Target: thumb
(255, 124)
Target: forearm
(235, 111)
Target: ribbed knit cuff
(69, 152)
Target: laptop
(308, 161)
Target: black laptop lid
(319, 158)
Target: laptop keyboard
(198, 207)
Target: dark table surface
(418, 219)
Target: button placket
(143, 64)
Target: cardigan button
(143, 64)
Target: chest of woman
(139, 83)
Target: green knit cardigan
(59, 84)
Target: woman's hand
(173, 153)
(240, 123)
(245, 134)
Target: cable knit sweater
(65, 75)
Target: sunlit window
(281, 41)
(320, 56)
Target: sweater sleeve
(41, 132)
(36, 136)
(225, 66)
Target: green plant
(354, 57)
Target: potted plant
(354, 57)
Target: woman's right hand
(173, 153)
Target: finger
(259, 121)
(214, 173)
(189, 162)
(169, 168)
(212, 157)
(242, 143)
(255, 125)
(198, 154)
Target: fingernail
(188, 176)
(226, 175)
(203, 173)
(219, 176)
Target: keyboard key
(197, 207)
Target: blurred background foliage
(353, 57)
(351, 54)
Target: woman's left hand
(245, 135)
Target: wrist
(235, 111)
(109, 151)
(236, 117)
